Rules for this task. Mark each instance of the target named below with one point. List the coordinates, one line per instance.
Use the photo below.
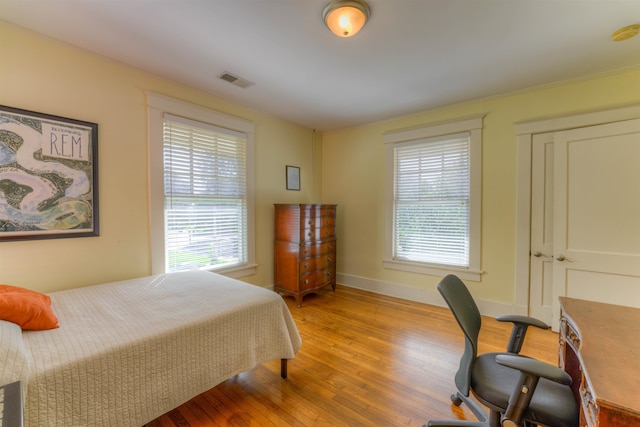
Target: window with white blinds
(205, 195)
(431, 218)
(433, 198)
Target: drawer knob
(306, 281)
(306, 265)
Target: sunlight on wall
(40, 74)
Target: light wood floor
(366, 360)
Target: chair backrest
(466, 313)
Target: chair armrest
(534, 367)
(525, 320)
(531, 370)
(520, 325)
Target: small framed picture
(293, 178)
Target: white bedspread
(127, 352)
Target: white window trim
(473, 125)
(157, 106)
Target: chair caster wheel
(456, 400)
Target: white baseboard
(427, 296)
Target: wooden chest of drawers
(304, 249)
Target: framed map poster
(48, 176)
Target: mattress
(127, 352)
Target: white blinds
(431, 206)
(205, 192)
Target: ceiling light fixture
(346, 17)
(626, 33)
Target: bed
(127, 352)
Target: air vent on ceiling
(238, 81)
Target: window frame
(473, 126)
(159, 105)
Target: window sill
(432, 269)
(237, 271)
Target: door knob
(561, 257)
(539, 254)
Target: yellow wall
(44, 75)
(344, 167)
(354, 178)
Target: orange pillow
(27, 308)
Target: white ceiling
(413, 55)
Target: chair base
(484, 420)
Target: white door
(596, 220)
(541, 253)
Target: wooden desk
(600, 349)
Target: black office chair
(518, 390)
